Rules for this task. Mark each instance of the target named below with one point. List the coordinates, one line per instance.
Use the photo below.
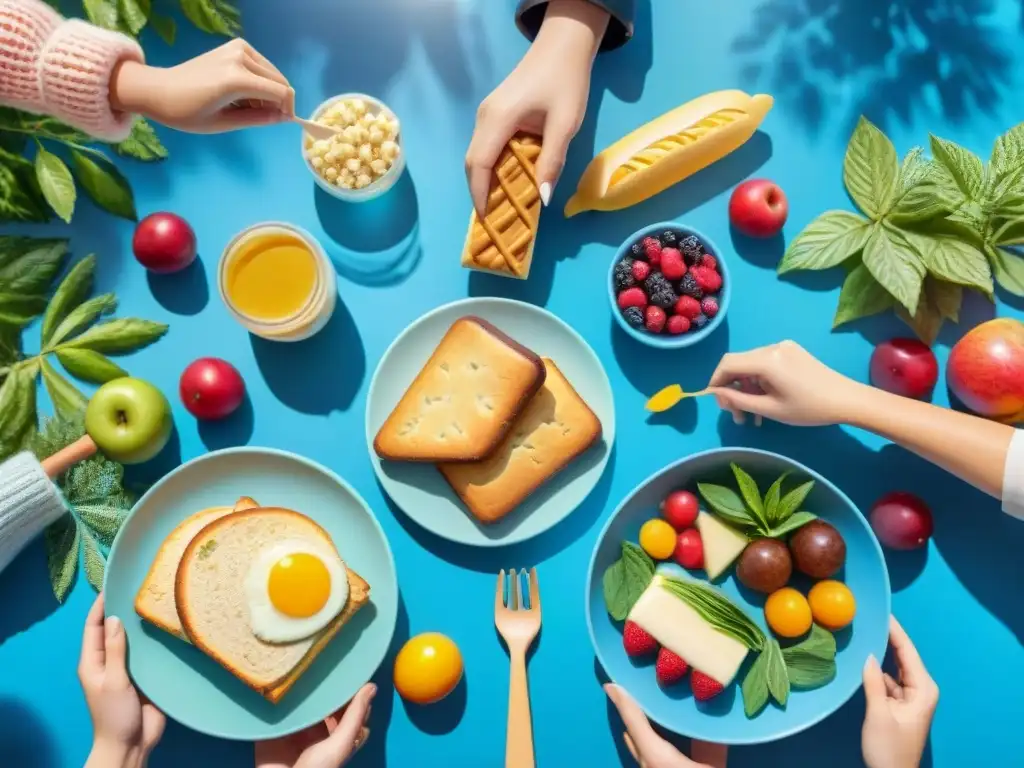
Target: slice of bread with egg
(262, 591)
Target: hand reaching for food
(532, 100)
(328, 744)
(233, 86)
(125, 725)
(652, 751)
(899, 712)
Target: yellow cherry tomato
(658, 539)
(832, 604)
(787, 612)
(428, 668)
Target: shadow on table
(184, 293)
(890, 56)
(374, 753)
(231, 431)
(25, 593)
(320, 374)
(24, 739)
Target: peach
(986, 369)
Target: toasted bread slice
(465, 398)
(554, 429)
(210, 595)
(154, 601)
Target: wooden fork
(518, 626)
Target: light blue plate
(722, 720)
(421, 492)
(190, 687)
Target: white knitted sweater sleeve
(29, 501)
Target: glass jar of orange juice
(277, 281)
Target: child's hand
(899, 713)
(652, 751)
(329, 744)
(546, 95)
(783, 382)
(125, 726)
(230, 87)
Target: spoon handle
(316, 130)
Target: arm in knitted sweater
(29, 501)
(62, 67)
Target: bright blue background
(949, 66)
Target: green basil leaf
(861, 296)
(812, 675)
(918, 198)
(164, 26)
(102, 519)
(820, 644)
(82, 316)
(793, 500)
(62, 541)
(626, 579)
(751, 494)
(755, 685)
(67, 400)
(17, 407)
(18, 309)
(726, 504)
(791, 523)
(895, 264)
(102, 13)
(215, 17)
(778, 678)
(963, 166)
(772, 498)
(134, 14)
(1008, 269)
(1010, 233)
(939, 301)
(20, 196)
(870, 170)
(143, 143)
(125, 334)
(28, 264)
(829, 240)
(95, 562)
(1008, 152)
(104, 183)
(56, 183)
(69, 294)
(89, 366)
(952, 260)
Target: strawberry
(708, 279)
(672, 265)
(654, 319)
(669, 668)
(688, 307)
(677, 324)
(637, 641)
(704, 688)
(632, 297)
(709, 306)
(709, 261)
(641, 269)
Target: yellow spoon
(670, 396)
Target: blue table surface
(914, 66)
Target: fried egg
(294, 589)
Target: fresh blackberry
(634, 316)
(700, 320)
(692, 249)
(624, 274)
(660, 291)
(669, 239)
(688, 287)
(637, 249)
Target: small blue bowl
(722, 719)
(664, 340)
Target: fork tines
(511, 596)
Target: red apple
(690, 549)
(758, 208)
(986, 369)
(211, 388)
(164, 242)
(901, 521)
(905, 367)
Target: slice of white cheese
(676, 626)
(722, 544)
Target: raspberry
(709, 306)
(700, 321)
(624, 274)
(634, 316)
(669, 239)
(692, 249)
(650, 242)
(641, 269)
(652, 250)
(677, 324)
(655, 319)
(688, 286)
(688, 307)
(660, 290)
(709, 261)
(672, 265)
(632, 297)
(707, 279)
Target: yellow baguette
(667, 150)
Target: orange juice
(271, 276)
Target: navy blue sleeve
(530, 15)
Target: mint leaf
(102, 13)
(827, 241)
(791, 523)
(28, 264)
(811, 663)
(143, 143)
(751, 494)
(69, 294)
(20, 196)
(755, 685)
(939, 301)
(963, 166)
(771, 499)
(104, 183)
(134, 14)
(861, 296)
(1010, 233)
(626, 579)
(67, 400)
(1008, 153)
(895, 264)
(125, 334)
(61, 539)
(870, 170)
(793, 500)
(726, 504)
(82, 316)
(56, 183)
(216, 17)
(952, 260)
(89, 366)
(1008, 269)
(778, 678)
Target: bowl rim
(798, 466)
(378, 186)
(682, 341)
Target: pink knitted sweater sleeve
(62, 67)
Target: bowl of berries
(669, 286)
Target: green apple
(129, 419)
